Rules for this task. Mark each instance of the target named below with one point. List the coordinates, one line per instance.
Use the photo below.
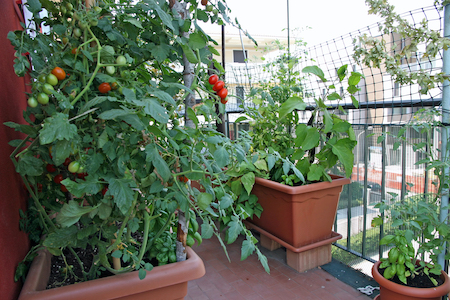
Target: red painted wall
(13, 243)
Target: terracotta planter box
(299, 215)
(392, 291)
(167, 282)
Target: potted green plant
(105, 160)
(294, 158)
(411, 269)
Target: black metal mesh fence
(381, 99)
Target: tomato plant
(59, 73)
(115, 93)
(218, 86)
(104, 87)
(213, 79)
(222, 93)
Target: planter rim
(437, 291)
(293, 190)
(117, 285)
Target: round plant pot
(393, 291)
(167, 282)
(299, 215)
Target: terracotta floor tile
(247, 280)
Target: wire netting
(381, 99)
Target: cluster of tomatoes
(46, 84)
(219, 88)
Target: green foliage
(324, 142)
(418, 216)
(374, 51)
(134, 156)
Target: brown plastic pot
(393, 291)
(298, 215)
(168, 282)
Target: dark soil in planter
(59, 275)
(419, 281)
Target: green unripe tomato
(69, 6)
(48, 89)
(73, 167)
(77, 32)
(42, 98)
(209, 7)
(51, 79)
(80, 169)
(32, 102)
(93, 22)
(82, 24)
(110, 70)
(63, 10)
(97, 9)
(121, 60)
(42, 78)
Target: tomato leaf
(222, 157)
(57, 127)
(71, 213)
(248, 180)
(122, 191)
(204, 200)
(61, 237)
(248, 247)
(233, 230)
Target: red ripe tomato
(64, 189)
(58, 178)
(204, 2)
(183, 178)
(218, 85)
(213, 79)
(104, 190)
(223, 100)
(67, 162)
(74, 51)
(104, 88)
(50, 168)
(222, 93)
(59, 73)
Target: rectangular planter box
(299, 215)
(167, 282)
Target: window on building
(239, 56)
(396, 89)
(240, 94)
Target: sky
(327, 18)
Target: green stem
(79, 262)
(124, 224)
